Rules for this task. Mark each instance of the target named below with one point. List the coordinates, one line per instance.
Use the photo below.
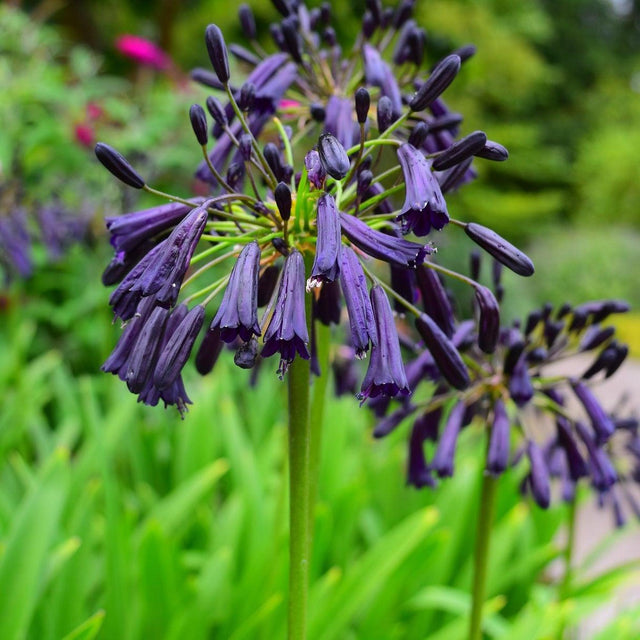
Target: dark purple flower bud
(537, 355)
(327, 306)
(493, 151)
(392, 421)
(364, 182)
(247, 96)
(498, 452)
(603, 475)
(244, 55)
(247, 21)
(315, 171)
(441, 77)
(267, 284)
(602, 424)
(622, 350)
(287, 332)
(500, 249)
(318, 112)
(539, 475)
(385, 114)
(238, 312)
(489, 320)
(144, 354)
(368, 25)
(403, 282)
(401, 51)
(292, 39)
(217, 112)
(435, 300)
(206, 78)
(446, 356)
(375, 7)
(356, 295)
(474, 264)
(460, 150)
(325, 12)
(443, 460)
(386, 374)
(552, 330)
(199, 123)
(424, 206)
(276, 33)
(425, 427)
(282, 6)
(272, 156)
(576, 463)
(601, 309)
(246, 354)
(208, 352)
(217, 50)
(118, 166)
(416, 42)
(326, 267)
(363, 101)
(282, 196)
(329, 36)
(235, 174)
(520, 387)
(596, 336)
(418, 135)
(456, 176)
(381, 245)
(280, 246)
(465, 51)
(333, 156)
(403, 13)
(176, 352)
(512, 356)
(315, 18)
(532, 322)
(245, 144)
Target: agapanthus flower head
(297, 197)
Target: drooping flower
(326, 266)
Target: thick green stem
(323, 339)
(299, 496)
(481, 553)
(565, 585)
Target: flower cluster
(512, 385)
(299, 209)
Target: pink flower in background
(84, 134)
(143, 51)
(94, 111)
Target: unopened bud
(118, 166)
(217, 50)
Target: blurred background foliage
(107, 505)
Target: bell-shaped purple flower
(443, 460)
(326, 263)
(603, 475)
(359, 309)
(287, 332)
(238, 312)
(163, 277)
(424, 205)
(435, 299)
(179, 344)
(383, 246)
(386, 374)
(498, 452)
(425, 427)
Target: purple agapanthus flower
(237, 315)
(386, 374)
(287, 332)
(424, 205)
(326, 265)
